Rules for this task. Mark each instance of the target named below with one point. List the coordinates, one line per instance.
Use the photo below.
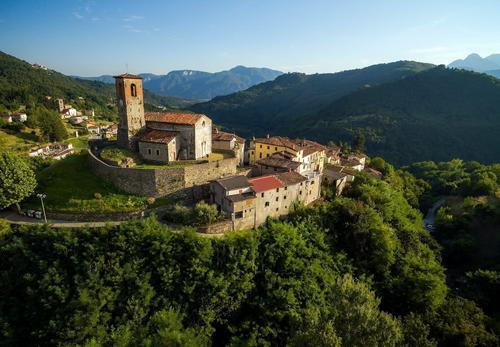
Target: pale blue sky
(102, 36)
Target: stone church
(162, 137)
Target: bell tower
(130, 102)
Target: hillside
(22, 84)
(291, 97)
(439, 114)
(192, 84)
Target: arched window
(203, 124)
(133, 90)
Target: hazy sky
(103, 36)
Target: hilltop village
(182, 155)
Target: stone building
(249, 202)
(159, 137)
(311, 155)
(193, 133)
(229, 142)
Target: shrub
(98, 196)
(205, 213)
(151, 200)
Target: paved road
(430, 218)
(15, 218)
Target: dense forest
(290, 97)
(406, 111)
(356, 270)
(23, 84)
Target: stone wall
(218, 228)
(190, 182)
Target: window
(262, 195)
(267, 155)
(286, 188)
(277, 199)
(267, 147)
(300, 193)
(149, 151)
(267, 203)
(260, 155)
(157, 152)
(260, 146)
(312, 182)
(203, 124)
(277, 190)
(277, 209)
(238, 214)
(275, 148)
(286, 206)
(133, 90)
(284, 198)
(275, 169)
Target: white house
(69, 112)
(19, 117)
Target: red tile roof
(290, 178)
(128, 75)
(218, 135)
(158, 136)
(263, 183)
(175, 118)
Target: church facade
(162, 137)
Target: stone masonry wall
(189, 182)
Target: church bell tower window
(133, 90)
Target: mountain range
(22, 83)
(201, 85)
(406, 111)
(474, 62)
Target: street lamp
(42, 196)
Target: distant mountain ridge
(269, 106)
(407, 111)
(192, 84)
(474, 62)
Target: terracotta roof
(158, 136)
(240, 197)
(234, 182)
(263, 183)
(290, 178)
(278, 162)
(278, 141)
(218, 135)
(170, 117)
(128, 75)
(309, 146)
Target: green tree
(17, 180)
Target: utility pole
(42, 196)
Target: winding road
(430, 218)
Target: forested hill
(192, 84)
(268, 106)
(23, 84)
(439, 114)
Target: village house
(225, 141)
(110, 131)
(19, 117)
(60, 104)
(68, 113)
(248, 202)
(55, 151)
(332, 155)
(309, 154)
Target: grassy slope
(70, 187)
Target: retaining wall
(186, 182)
